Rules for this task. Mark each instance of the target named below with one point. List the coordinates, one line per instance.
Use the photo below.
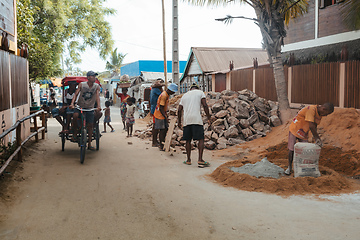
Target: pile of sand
(339, 159)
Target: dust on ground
(339, 160)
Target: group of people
(189, 110)
(189, 115)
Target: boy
(107, 118)
(140, 107)
(129, 112)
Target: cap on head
(91, 73)
(194, 85)
(173, 87)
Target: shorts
(292, 140)
(107, 119)
(130, 120)
(55, 112)
(89, 115)
(193, 132)
(69, 110)
(161, 124)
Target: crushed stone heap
(263, 168)
(236, 117)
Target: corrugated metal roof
(151, 76)
(218, 59)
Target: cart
(82, 136)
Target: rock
(226, 124)
(233, 121)
(247, 133)
(210, 145)
(213, 95)
(261, 104)
(233, 103)
(241, 112)
(275, 121)
(211, 102)
(207, 135)
(229, 93)
(235, 141)
(244, 123)
(218, 122)
(273, 105)
(253, 137)
(263, 117)
(221, 146)
(250, 94)
(214, 137)
(267, 128)
(221, 114)
(259, 126)
(172, 111)
(222, 143)
(219, 129)
(232, 112)
(217, 107)
(232, 132)
(254, 118)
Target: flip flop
(203, 164)
(186, 162)
(91, 148)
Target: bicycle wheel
(83, 145)
(63, 138)
(97, 136)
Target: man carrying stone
(306, 120)
(193, 129)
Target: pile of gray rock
(237, 117)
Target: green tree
(115, 63)
(351, 14)
(271, 18)
(52, 28)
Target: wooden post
(342, 86)
(36, 128)
(18, 141)
(43, 124)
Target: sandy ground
(134, 191)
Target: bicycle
(83, 133)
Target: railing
(19, 142)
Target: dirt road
(134, 191)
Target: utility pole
(175, 44)
(164, 42)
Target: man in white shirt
(190, 104)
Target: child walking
(130, 120)
(107, 118)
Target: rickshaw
(82, 136)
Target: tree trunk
(281, 87)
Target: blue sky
(137, 30)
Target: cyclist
(89, 95)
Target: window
(326, 3)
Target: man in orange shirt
(161, 119)
(307, 119)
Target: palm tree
(271, 18)
(350, 13)
(115, 63)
